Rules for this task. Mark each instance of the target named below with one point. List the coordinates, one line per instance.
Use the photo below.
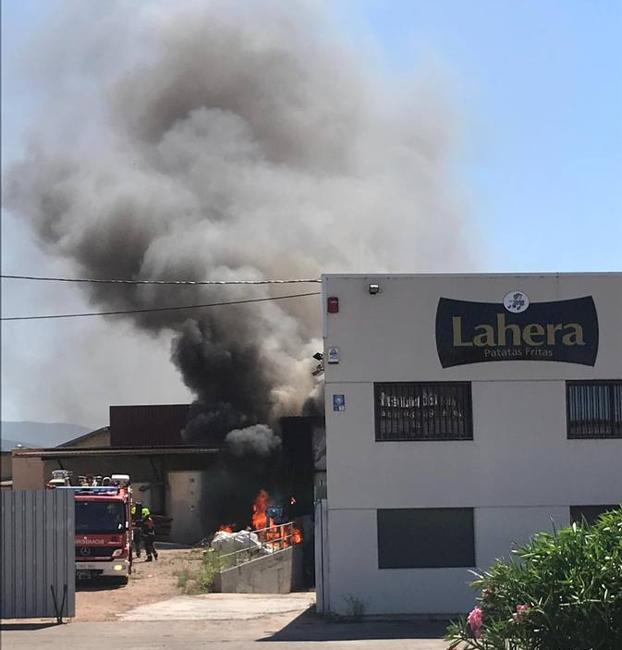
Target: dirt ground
(150, 613)
(150, 582)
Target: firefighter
(137, 529)
(148, 531)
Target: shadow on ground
(171, 546)
(310, 626)
(16, 627)
(99, 584)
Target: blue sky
(537, 89)
(538, 86)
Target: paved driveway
(225, 622)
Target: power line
(173, 282)
(156, 309)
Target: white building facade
(463, 414)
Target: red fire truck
(103, 524)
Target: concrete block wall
(278, 573)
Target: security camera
(374, 289)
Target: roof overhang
(108, 451)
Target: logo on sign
(516, 330)
(516, 302)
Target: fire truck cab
(103, 524)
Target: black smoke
(236, 141)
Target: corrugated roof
(156, 425)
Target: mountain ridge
(38, 434)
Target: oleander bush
(562, 591)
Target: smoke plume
(257, 440)
(237, 141)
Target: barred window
(423, 411)
(594, 409)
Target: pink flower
(521, 610)
(475, 619)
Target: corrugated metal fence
(38, 554)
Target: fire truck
(103, 524)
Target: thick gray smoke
(257, 440)
(243, 142)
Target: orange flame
(226, 528)
(260, 518)
(280, 535)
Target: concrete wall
(523, 461)
(519, 471)
(186, 497)
(33, 472)
(279, 573)
(28, 473)
(6, 471)
(390, 336)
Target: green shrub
(212, 564)
(183, 575)
(199, 577)
(562, 591)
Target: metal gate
(38, 554)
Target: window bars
(594, 409)
(423, 411)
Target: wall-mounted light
(319, 369)
(374, 289)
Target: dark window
(588, 514)
(594, 409)
(423, 411)
(99, 517)
(422, 538)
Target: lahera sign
(476, 332)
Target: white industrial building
(463, 414)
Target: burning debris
(268, 533)
(227, 542)
(226, 528)
(272, 522)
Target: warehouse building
(146, 442)
(463, 414)
(170, 476)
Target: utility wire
(154, 309)
(181, 282)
